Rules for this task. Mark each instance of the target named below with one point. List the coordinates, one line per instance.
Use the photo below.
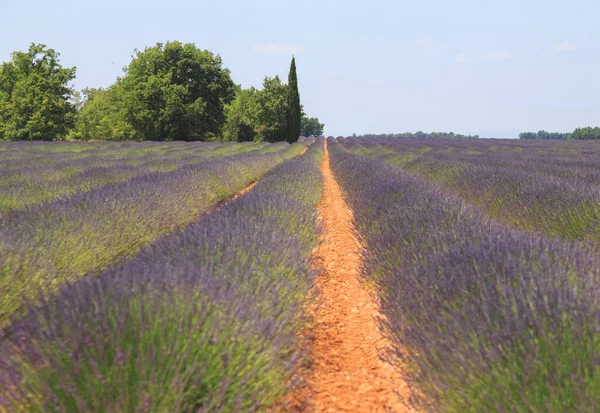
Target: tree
(241, 117)
(264, 112)
(421, 134)
(544, 135)
(171, 91)
(102, 116)
(294, 114)
(35, 96)
(587, 133)
(311, 126)
(176, 91)
(272, 112)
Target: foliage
(171, 91)
(271, 116)
(241, 116)
(420, 134)
(587, 133)
(35, 96)
(261, 114)
(176, 92)
(294, 110)
(311, 126)
(103, 116)
(206, 319)
(544, 135)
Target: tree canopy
(35, 96)
(421, 134)
(170, 91)
(544, 135)
(176, 92)
(311, 126)
(261, 114)
(258, 114)
(587, 133)
(294, 110)
(103, 116)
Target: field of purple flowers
(548, 187)
(127, 284)
(201, 319)
(89, 227)
(485, 256)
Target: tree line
(421, 134)
(170, 91)
(587, 133)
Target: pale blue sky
(471, 66)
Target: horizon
(494, 70)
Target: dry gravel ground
(347, 373)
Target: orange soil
(224, 202)
(347, 374)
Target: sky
(494, 68)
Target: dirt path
(347, 373)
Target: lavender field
(485, 257)
(134, 279)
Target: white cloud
(276, 48)
(426, 44)
(423, 41)
(497, 55)
(563, 46)
(463, 58)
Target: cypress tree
(293, 105)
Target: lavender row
(47, 244)
(574, 161)
(35, 181)
(28, 162)
(484, 318)
(552, 194)
(204, 320)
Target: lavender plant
(484, 318)
(84, 234)
(28, 179)
(546, 187)
(203, 320)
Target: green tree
(271, 116)
(260, 113)
(587, 133)
(294, 114)
(176, 91)
(103, 116)
(35, 96)
(241, 117)
(170, 91)
(311, 126)
(544, 135)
